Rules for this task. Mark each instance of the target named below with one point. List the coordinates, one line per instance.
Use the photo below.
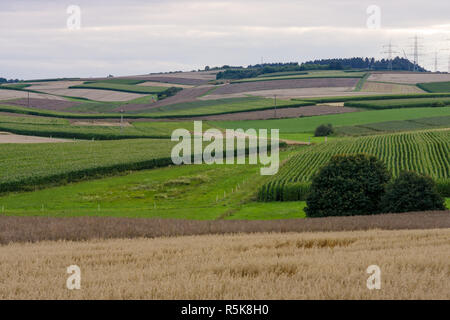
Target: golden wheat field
(327, 265)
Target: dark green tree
(348, 185)
(411, 191)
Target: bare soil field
(163, 84)
(286, 84)
(16, 94)
(16, 138)
(333, 265)
(377, 87)
(185, 95)
(409, 77)
(53, 85)
(281, 113)
(95, 94)
(33, 229)
(47, 104)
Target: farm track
(33, 229)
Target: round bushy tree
(323, 130)
(348, 185)
(411, 191)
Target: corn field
(422, 152)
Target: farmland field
(239, 266)
(371, 86)
(408, 78)
(308, 124)
(392, 126)
(32, 165)
(120, 87)
(423, 152)
(399, 103)
(285, 84)
(435, 86)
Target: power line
(389, 51)
(416, 52)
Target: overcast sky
(139, 37)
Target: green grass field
(435, 86)
(423, 152)
(308, 124)
(399, 103)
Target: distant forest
(252, 71)
(399, 64)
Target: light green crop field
(119, 87)
(30, 166)
(308, 124)
(435, 86)
(393, 126)
(399, 103)
(61, 128)
(188, 192)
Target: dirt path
(6, 137)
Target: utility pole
(121, 120)
(275, 104)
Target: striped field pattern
(424, 152)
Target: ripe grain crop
(414, 265)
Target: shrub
(323, 130)
(411, 191)
(347, 185)
(438, 104)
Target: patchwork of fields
(114, 197)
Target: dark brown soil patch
(286, 84)
(32, 229)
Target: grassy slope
(308, 124)
(190, 192)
